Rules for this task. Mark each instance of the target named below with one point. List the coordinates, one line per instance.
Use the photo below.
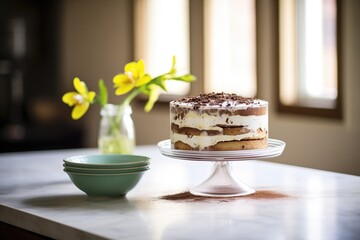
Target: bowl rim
(68, 160)
(105, 169)
(104, 174)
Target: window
(308, 65)
(224, 37)
(230, 46)
(162, 31)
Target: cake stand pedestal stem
(222, 183)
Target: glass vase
(117, 131)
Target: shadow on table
(80, 201)
(111, 215)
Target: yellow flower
(134, 76)
(80, 100)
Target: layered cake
(218, 122)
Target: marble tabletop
(290, 202)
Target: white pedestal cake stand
(222, 182)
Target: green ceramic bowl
(107, 161)
(105, 170)
(105, 185)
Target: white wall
(95, 49)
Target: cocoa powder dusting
(184, 196)
(267, 194)
(188, 197)
(212, 99)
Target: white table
(36, 195)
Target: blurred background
(302, 56)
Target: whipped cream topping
(218, 100)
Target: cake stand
(222, 182)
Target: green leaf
(173, 66)
(103, 93)
(185, 78)
(153, 97)
(161, 83)
(145, 89)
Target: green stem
(130, 97)
(115, 125)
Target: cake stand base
(222, 183)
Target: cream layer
(203, 141)
(204, 121)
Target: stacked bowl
(111, 175)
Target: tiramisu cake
(218, 122)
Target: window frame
(335, 112)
